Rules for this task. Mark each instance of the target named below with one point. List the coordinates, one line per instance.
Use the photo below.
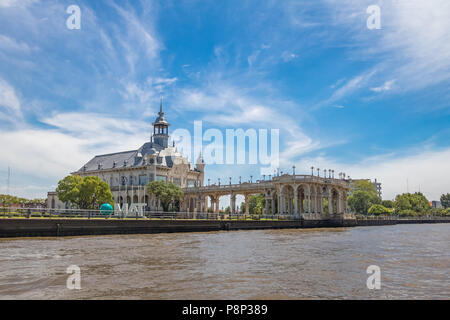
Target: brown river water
(268, 264)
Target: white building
(127, 173)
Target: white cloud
(76, 138)
(232, 106)
(424, 171)
(348, 88)
(385, 87)
(9, 99)
(413, 45)
(16, 3)
(8, 43)
(288, 56)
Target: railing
(45, 213)
(394, 217)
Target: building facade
(127, 173)
(307, 196)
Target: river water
(271, 264)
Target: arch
(287, 203)
(191, 204)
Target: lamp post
(219, 181)
(293, 170)
(251, 179)
(209, 182)
(318, 172)
(264, 177)
(240, 180)
(230, 181)
(325, 173)
(312, 171)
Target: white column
(295, 200)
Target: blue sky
(371, 103)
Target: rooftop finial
(160, 106)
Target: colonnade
(281, 197)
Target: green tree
(387, 203)
(94, 192)
(363, 196)
(378, 209)
(445, 200)
(364, 185)
(68, 189)
(86, 193)
(256, 204)
(167, 193)
(408, 203)
(360, 201)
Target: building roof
(166, 157)
(160, 120)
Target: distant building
(375, 183)
(127, 173)
(436, 204)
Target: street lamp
(251, 179)
(318, 172)
(209, 182)
(240, 180)
(293, 170)
(230, 181)
(312, 171)
(325, 173)
(219, 181)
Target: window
(161, 178)
(191, 183)
(177, 181)
(143, 180)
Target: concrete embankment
(74, 227)
(79, 227)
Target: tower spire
(161, 128)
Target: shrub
(378, 209)
(407, 213)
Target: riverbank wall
(80, 227)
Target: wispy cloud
(418, 170)
(413, 45)
(9, 101)
(385, 87)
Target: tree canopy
(363, 197)
(167, 193)
(86, 193)
(7, 200)
(445, 200)
(360, 201)
(378, 209)
(411, 204)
